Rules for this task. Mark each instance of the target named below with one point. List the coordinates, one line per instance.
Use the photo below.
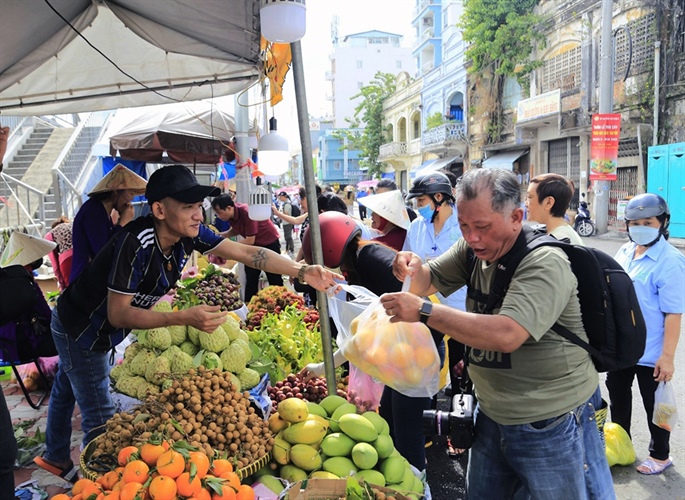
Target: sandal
(453, 452)
(69, 473)
(652, 466)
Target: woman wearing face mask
(431, 234)
(658, 272)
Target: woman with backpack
(658, 272)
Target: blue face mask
(643, 235)
(426, 212)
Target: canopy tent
(181, 50)
(504, 161)
(187, 132)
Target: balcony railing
(392, 149)
(445, 133)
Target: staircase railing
(26, 209)
(67, 195)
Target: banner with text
(606, 130)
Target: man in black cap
(287, 208)
(115, 292)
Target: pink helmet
(337, 231)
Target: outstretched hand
(205, 318)
(321, 278)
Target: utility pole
(606, 105)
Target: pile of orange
(158, 471)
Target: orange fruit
(201, 462)
(150, 452)
(91, 489)
(232, 478)
(79, 485)
(221, 465)
(401, 355)
(171, 463)
(187, 487)
(227, 493)
(132, 491)
(112, 495)
(77, 497)
(377, 355)
(124, 455)
(202, 494)
(425, 356)
(162, 488)
(245, 492)
(109, 479)
(61, 496)
(136, 471)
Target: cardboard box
(326, 489)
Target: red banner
(606, 129)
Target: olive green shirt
(547, 375)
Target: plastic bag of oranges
(400, 355)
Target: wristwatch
(300, 273)
(425, 311)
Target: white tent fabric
(185, 50)
(437, 164)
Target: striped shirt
(131, 263)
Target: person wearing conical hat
(25, 250)
(104, 214)
(389, 216)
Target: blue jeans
(560, 457)
(82, 377)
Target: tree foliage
(368, 115)
(503, 34)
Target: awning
(435, 165)
(504, 161)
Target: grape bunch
(215, 289)
(294, 386)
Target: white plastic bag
(665, 411)
(400, 355)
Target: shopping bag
(400, 355)
(665, 411)
(619, 447)
(344, 312)
(363, 391)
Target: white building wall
(355, 66)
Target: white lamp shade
(259, 207)
(283, 21)
(272, 154)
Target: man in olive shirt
(535, 428)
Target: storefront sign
(541, 105)
(606, 130)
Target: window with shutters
(562, 71)
(643, 34)
(564, 159)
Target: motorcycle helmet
(337, 231)
(648, 205)
(430, 184)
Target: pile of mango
(331, 440)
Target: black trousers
(252, 274)
(620, 385)
(8, 453)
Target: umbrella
(367, 184)
(187, 132)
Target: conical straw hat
(120, 178)
(22, 249)
(388, 205)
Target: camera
(458, 423)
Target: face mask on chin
(426, 212)
(643, 235)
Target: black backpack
(17, 293)
(609, 307)
(294, 210)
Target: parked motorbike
(583, 223)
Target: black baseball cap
(179, 183)
(283, 193)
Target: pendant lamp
(283, 21)
(272, 153)
(259, 206)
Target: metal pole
(310, 187)
(657, 82)
(243, 177)
(606, 105)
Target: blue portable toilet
(676, 188)
(657, 170)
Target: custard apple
(131, 350)
(211, 360)
(141, 361)
(119, 371)
(129, 385)
(216, 341)
(189, 348)
(162, 306)
(158, 338)
(234, 358)
(179, 333)
(231, 327)
(246, 347)
(248, 378)
(181, 363)
(158, 370)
